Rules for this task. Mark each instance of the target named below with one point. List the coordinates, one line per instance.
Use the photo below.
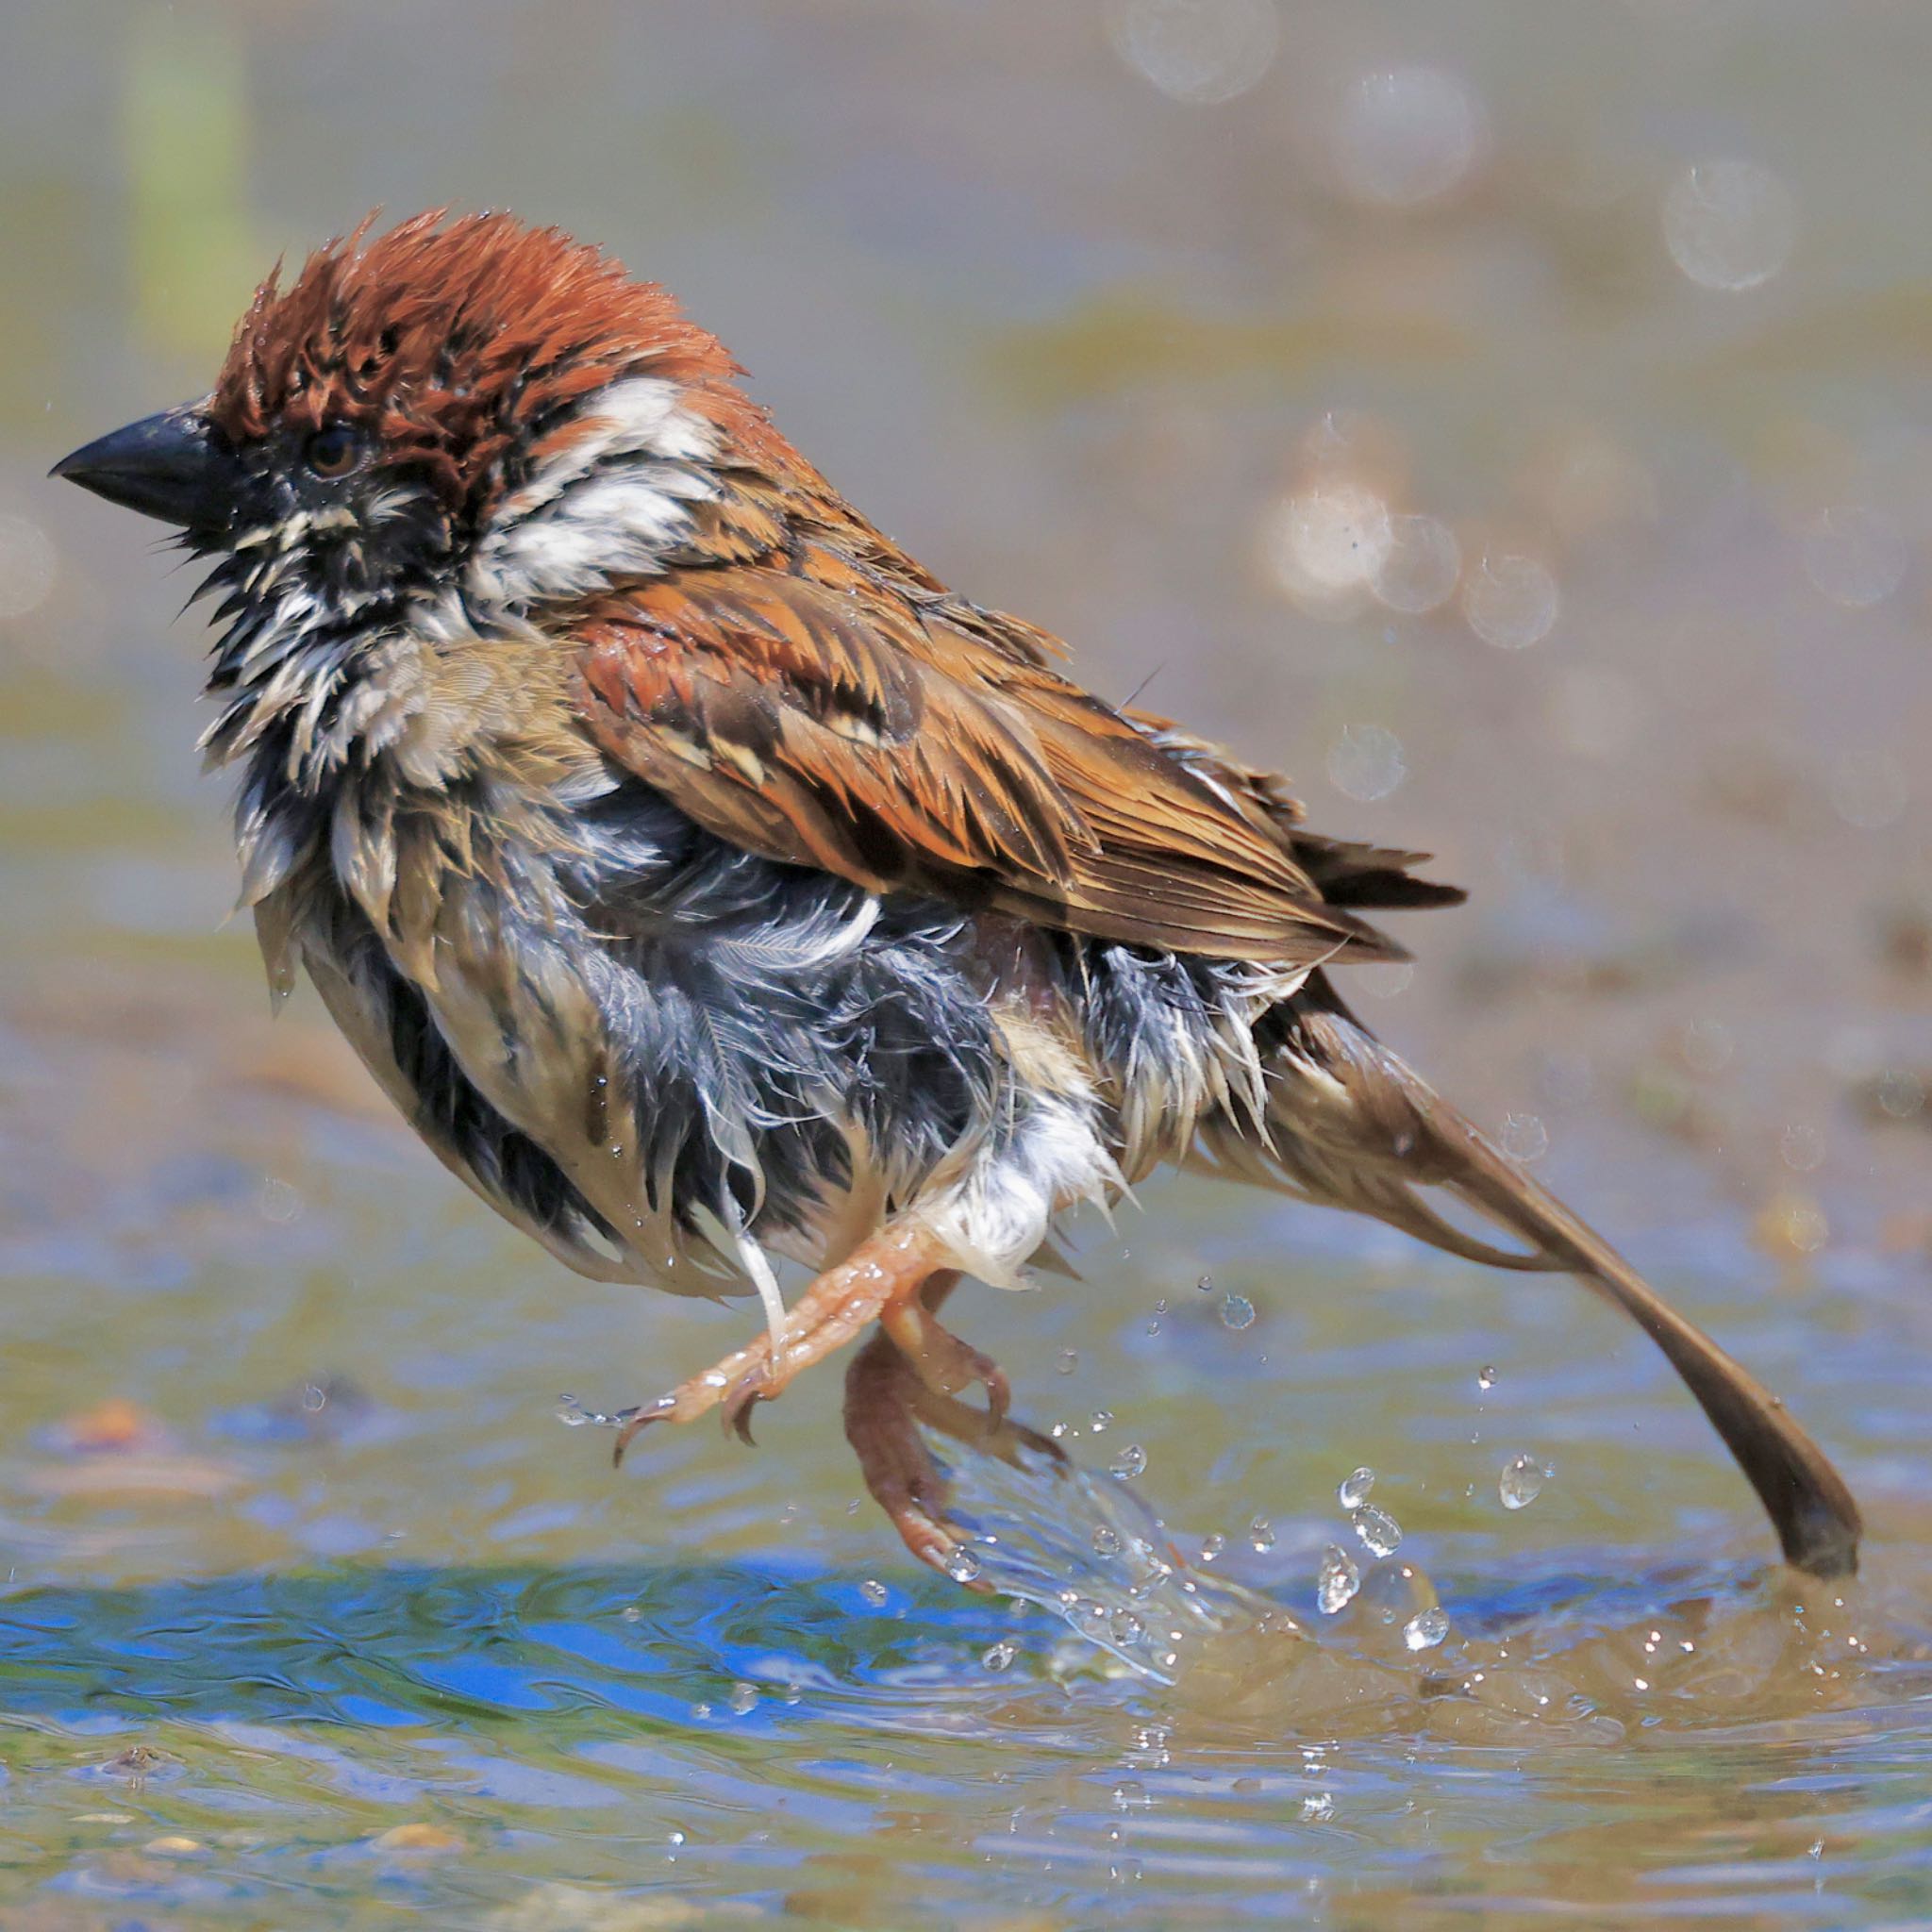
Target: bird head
(445, 427)
(430, 411)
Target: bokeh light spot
(1199, 51)
(1366, 762)
(1729, 224)
(1407, 136)
(1510, 600)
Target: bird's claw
(635, 1420)
(738, 1405)
(999, 1391)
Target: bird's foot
(944, 1364)
(881, 1274)
(887, 1395)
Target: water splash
(1379, 1531)
(574, 1415)
(1089, 1549)
(1352, 1491)
(1336, 1581)
(1426, 1628)
(1522, 1481)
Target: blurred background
(1512, 423)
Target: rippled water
(581, 1746)
(1513, 428)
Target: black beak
(169, 466)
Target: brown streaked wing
(890, 738)
(1343, 871)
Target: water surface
(315, 1614)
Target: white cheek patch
(644, 415)
(609, 505)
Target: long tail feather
(1353, 1127)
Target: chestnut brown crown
(461, 349)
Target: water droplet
(1237, 1312)
(1201, 51)
(1426, 1628)
(1069, 1360)
(1353, 1489)
(743, 1698)
(998, 1656)
(1130, 1462)
(1729, 224)
(1336, 1580)
(1520, 1482)
(1366, 763)
(572, 1415)
(1261, 1534)
(1212, 1549)
(1802, 1146)
(1510, 601)
(1126, 1628)
(1394, 1593)
(1091, 1619)
(1318, 1809)
(1525, 1137)
(1486, 1377)
(875, 1592)
(1206, 1284)
(1377, 1529)
(963, 1566)
(279, 1200)
(1419, 571)
(1107, 1540)
(677, 1837)
(1130, 1794)
(1404, 137)
(1100, 1421)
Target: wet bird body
(709, 885)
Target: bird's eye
(333, 450)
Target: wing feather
(819, 712)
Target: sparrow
(710, 886)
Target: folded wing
(820, 713)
